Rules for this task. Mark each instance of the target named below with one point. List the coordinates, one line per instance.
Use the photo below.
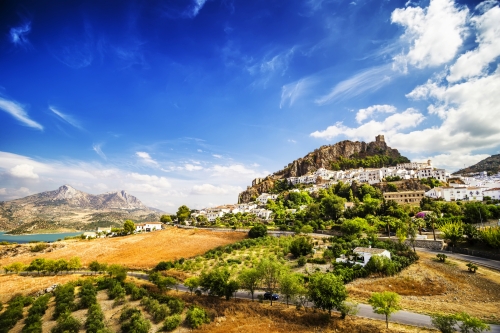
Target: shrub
(33, 323)
(95, 319)
(301, 246)
(66, 323)
(444, 323)
(116, 291)
(301, 262)
(441, 257)
(136, 324)
(318, 261)
(171, 322)
(156, 310)
(472, 267)
(13, 313)
(258, 230)
(39, 247)
(65, 297)
(196, 317)
(175, 305)
(87, 294)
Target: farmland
(141, 251)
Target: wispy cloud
(18, 35)
(370, 79)
(292, 91)
(291, 141)
(17, 111)
(217, 156)
(97, 148)
(196, 7)
(67, 118)
(146, 158)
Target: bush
(301, 246)
(318, 261)
(301, 262)
(176, 305)
(156, 310)
(444, 323)
(33, 323)
(39, 247)
(136, 324)
(258, 230)
(95, 319)
(196, 317)
(65, 297)
(116, 291)
(87, 294)
(66, 323)
(171, 322)
(14, 312)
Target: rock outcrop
(324, 157)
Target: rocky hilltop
(70, 209)
(490, 164)
(342, 155)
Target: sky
(186, 101)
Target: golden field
(141, 251)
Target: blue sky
(185, 102)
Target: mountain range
(70, 209)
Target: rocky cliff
(490, 164)
(342, 155)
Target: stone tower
(379, 138)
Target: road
(490, 263)
(366, 311)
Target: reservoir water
(36, 237)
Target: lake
(36, 237)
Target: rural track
(365, 310)
(485, 262)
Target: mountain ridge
(69, 208)
(489, 164)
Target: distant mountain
(342, 155)
(69, 208)
(490, 164)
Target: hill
(340, 156)
(70, 209)
(490, 164)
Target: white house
(493, 193)
(469, 193)
(363, 254)
(265, 196)
(89, 234)
(148, 226)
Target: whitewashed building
(493, 193)
(265, 196)
(148, 226)
(363, 254)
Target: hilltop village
(444, 186)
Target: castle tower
(379, 138)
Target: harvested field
(12, 284)
(429, 286)
(141, 251)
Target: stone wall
(423, 243)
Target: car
(269, 296)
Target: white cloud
(453, 161)
(291, 141)
(97, 149)
(370, 79)
(207, 189)
(23, 171)
(67, 118)
(17, 111)
(146, 158)
(191, 167)
(475, 62)
(195, 8)
(18, 35)
(292, 91)
(150, 180)
(363, 114)
(409, 118)
(434, 34)
(217, 156)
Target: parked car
(269, 296)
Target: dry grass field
(141, 251)
(429, 286)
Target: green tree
(192, 283)
(469, 324)
(332, 207)
(290, 285)
(444, 323)
(249, 279)
(327, 291)
(118, 272)
(217, 282)
(129, 227)
(15, 267)
(165, 219)
(95, 319)
(258, 230)
(162, 282)
(183, 213)
(196, 317)
(271, 272)
(385, 303)
(452, 231)
(301, 246)
(66, 323)
(37, 265)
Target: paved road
(490, 263)
(366, 311)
